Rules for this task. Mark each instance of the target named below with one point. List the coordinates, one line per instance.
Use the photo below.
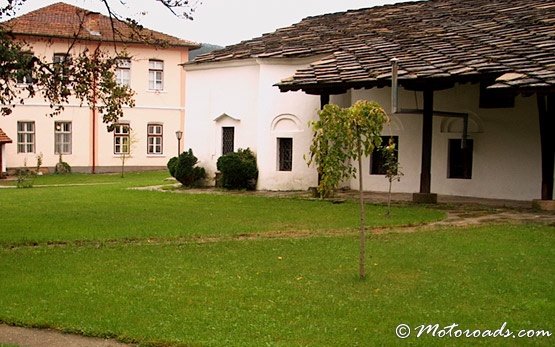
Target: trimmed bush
(185, 171)
(62, 168)
(239, 170)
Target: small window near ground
(62, 137)
(285, 153)
(377, 159)
(25, 137)
(228, 139)
(460, 159)
(154, 138)
(121, 139)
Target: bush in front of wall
(238, 169)
(185, 171)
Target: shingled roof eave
(191, 45)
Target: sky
(220, 22)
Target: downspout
(94, 125)
(394, 85)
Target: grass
(288, 292)
(188, 279)
(110, 211)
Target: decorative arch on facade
(286, 123)
(454, 125)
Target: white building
(498, 75)
(147, 131)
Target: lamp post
(179, 135)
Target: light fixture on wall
(179, 135)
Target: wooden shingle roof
(61, 20)
(4, 138)
(512, 43)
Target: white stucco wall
(164, 107)
(244, 91)
(506, 157)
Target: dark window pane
(228, 136)
(377, 160)
(285, 148)
(460, 159)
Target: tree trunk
(362, 252)
(389, 198)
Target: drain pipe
(394, 85)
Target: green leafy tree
(342, 137)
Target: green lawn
(288, 292)
(188, 280)
(111, 211)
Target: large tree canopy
(87, 75)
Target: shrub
(62, 168)
(184, 170)
(172, 165)
(238, 170)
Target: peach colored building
(78, 133)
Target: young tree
(392, 168)
(343, 136)
(88, 76)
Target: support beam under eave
(324, 100)
(425, 195)
(546, 111)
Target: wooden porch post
(425, 196)
(546, 111)
(324, 100)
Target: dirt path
(26, 337)
(457, 216)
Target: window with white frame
(123, 72)
(60, 60)
(121, 138)
(62, 137)
(155, 74)
(25, 137)
(154, 138)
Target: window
(123, 72)
(154, 139)
(25, 73)
(121, 139)
(25, 137)
(228, 137)
(460, 159)
(62, 137)
(155, 75)
(285, 153)
(59, 60)
(377, 161)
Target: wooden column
(425, 195)
(324, 100)
(546, 111)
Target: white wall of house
(165, 107)
(241, 94)
(506, 155)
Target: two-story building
(145, 135)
